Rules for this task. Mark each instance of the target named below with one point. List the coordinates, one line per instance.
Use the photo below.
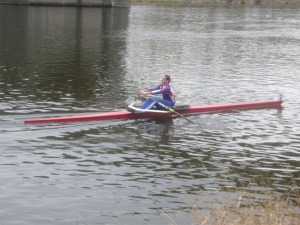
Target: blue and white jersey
(166, 90)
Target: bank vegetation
(274, 210)
(250, 205)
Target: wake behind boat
(136, 113)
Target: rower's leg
(164, 102)
(148, 104)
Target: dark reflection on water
(53, 55)
(61, 60)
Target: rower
(167, 92)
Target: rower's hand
(145, 92)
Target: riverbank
(249, 209)
(221, 2)
(121, 3)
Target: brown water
(65, 60)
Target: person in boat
(167, 92)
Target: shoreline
(219, 2)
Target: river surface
(57, 61)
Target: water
(64, 60)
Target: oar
(133, 100)
(171, 110)
(130, 100)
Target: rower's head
(166, 79)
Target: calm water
(61, 61)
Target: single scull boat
(126, 114)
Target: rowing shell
(125, 114)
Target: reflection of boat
(126, 114)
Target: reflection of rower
(168, 95)
(158, 130)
